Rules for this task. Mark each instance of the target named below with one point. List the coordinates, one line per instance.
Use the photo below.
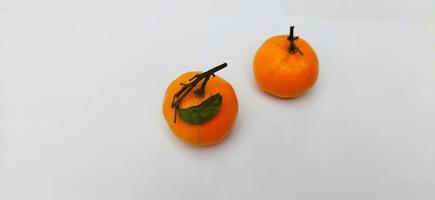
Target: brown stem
(293, 48)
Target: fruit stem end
(293, 48)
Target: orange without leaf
(205, 131)
(286, 66)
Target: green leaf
(203, 112)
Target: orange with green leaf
(200, 107)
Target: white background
(82, 81)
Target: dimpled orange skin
(284, 74)
(212, 131)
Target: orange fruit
(211, 131)
(286, 66)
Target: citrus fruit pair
(201, 108)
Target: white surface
(82, 83)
